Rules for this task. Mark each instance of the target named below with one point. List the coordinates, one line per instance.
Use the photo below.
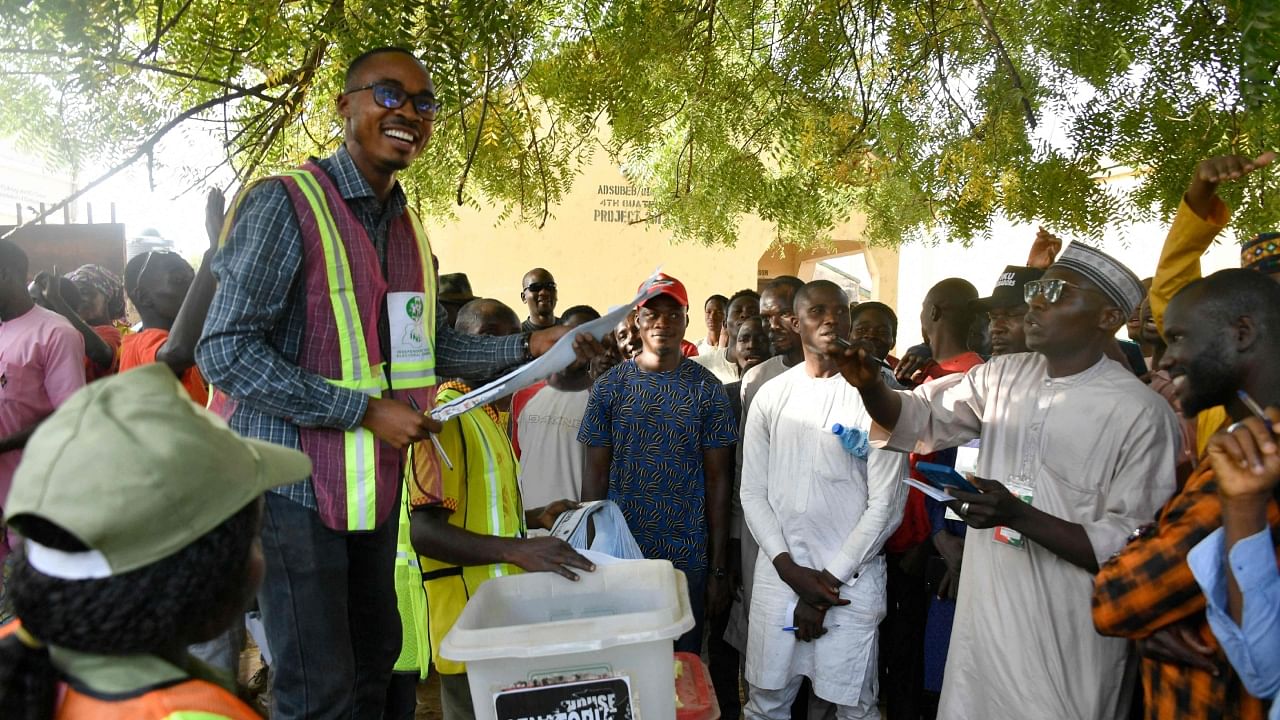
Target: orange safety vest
(189, 699)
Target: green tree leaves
(924, 114)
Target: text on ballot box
(607, 698)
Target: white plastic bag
(612, 536)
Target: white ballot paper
(931, 491)
(559, 357)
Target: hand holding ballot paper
(980, 503)
(558, 357)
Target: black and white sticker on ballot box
(607, 698)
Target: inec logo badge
(413, 308)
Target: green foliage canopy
(924, 114)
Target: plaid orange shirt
(1148, 586)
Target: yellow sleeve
(1208, 422)
(453, 480)
(1189, 237)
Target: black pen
(434, 440)
(879, 361)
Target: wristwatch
(524, 345)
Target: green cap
(136, 471)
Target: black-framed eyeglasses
(538, 287)
(1051, 289)
(392, 97)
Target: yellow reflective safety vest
(355, 475)
(411, 599)
(483, 493)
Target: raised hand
(1216, 170)
(215, 210)
(1044, 249)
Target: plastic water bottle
(853, 440)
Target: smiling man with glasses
(1076, 454)
(538, 291)
(326, 334)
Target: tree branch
(149, 144)
(484, 111)
(107, 60)
(1015, 77)
(163, 29)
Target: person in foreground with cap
(660, 439)
(1076, 453)
(109, 593)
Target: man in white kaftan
(811, 503)
(1076, 454)
(1098, 449)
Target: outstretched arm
(1199, 220)
(179, 349)
(433, 536)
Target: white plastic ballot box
(538, 645)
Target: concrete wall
(598, 258)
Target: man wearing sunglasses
(538, 291)
(1076, 454)
(326, 334)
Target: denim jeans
(692, 641)
(328, 604)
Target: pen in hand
(435, 441)
(1255, 408)
(879, 361)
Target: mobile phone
(941, 476)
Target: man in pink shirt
(41, 365)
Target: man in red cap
(660, 439)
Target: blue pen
(792, 628)
(1255, 408)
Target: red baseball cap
(668, 285)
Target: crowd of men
(1109, 550)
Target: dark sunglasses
(392, 97)
(539, 287)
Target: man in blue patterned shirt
(328, 598)
(660, 439)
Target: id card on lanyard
(405, 315)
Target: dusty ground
(251, 664)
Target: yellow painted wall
(600, 261)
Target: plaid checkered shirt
(253, 335)
(1148, 587)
